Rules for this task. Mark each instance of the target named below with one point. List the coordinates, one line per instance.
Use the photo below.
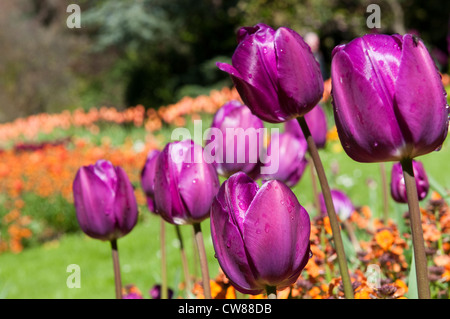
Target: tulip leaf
(412, 280)
(349, 249)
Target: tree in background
(153, 52)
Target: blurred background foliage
(153, 52)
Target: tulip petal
(234, 120)
(297, 95)
(290, 155)
(229, 246)
(125, 205)
(104, 170)
(341, 202)
(377, 57)
(91, 198)
(285, 236)
(367, 128)
(398, 187)
(167, 197)
(148, 173)
(148, 179)
(259, 101)
(420, 99)
(255, 59)
(240, 191)
(198, 184)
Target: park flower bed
(266, 243)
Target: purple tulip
(317, 123)
(185, 184)
(132, 295)
(398, 188)
(231, 122)
(260, 235)
(342, 204)
(148, 179)
(389, 100)
(275, 73)
(290, 155)
(155, 292)
(104, 200)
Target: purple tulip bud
(389, 101)
(235, 150)
(148, 179)
(185, 184)
(155, 292)
(275, 73)
(132, 295)
(260, 235)
(104, 201)
(342, 204)
(317, 123)
(290, 153)
(398, 188)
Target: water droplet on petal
(258, 231)
(228, 243)
(194, 181)
(267, 228)
(242, 205)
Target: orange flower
(231, 293)
(314, 292)
(11, 216)
(327, 225)
(384, 239)
(313, 269)
(284, 294)
(402, 288)
(215, 288)
(430, 232)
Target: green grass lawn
(41, 271)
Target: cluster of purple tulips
(389, 105)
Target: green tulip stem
(164, 286)
(314, 187)
(384, 187)
(203, 260)
(117, 279)
(184, 262)
(195, 257)
(337, 239)
(420, 258)
(271, 292)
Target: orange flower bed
(30, 127)
(50, 171)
